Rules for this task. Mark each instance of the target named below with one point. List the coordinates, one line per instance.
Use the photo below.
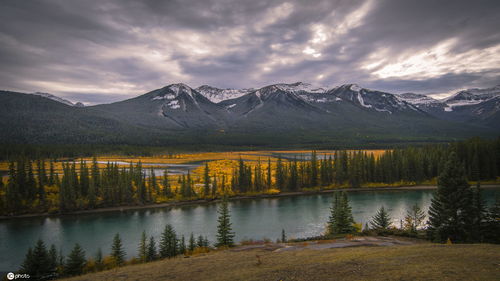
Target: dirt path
(373, 241)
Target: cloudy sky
(104, 51)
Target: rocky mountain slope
(278, 114)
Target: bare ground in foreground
(366, 259)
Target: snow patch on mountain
(55, 98)
(355, 88)
(361, 101)
(174, 104)
(164, 97)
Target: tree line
(457, 214)
(43, 264)
(34, 186)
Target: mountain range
(297, 114)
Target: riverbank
(380, 260)
(238, 197)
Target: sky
(109, 50)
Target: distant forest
(33, 186)
(10, 151)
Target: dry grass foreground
(423, 261)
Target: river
(300, 216)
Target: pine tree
(280, 176)
(492, 224)
(225, 235)
(117, 251)
(76, 261)
(314, 169)
(61, 260)
(37, 262)
(151, 253)
(381, 220)
(52, 175)
(206, 181)
(182, 246)
(12, 191)
(53, 258)
(201, 242)
(143, 248)
(168, 244)
(340, 220)
(414, 218)
(192, 243)
(29, 264)
(42, 180)
(99, 263)
(450, 213)
(479, 214)
(269, 180)
(214, 187)
(167, 191)
(84, 179)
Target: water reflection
(300, 216)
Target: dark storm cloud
(103, 51)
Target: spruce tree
(52, 175)
(76, 261)
(192, 243)
(269, 179)
(151, 253)
(29, 264)
(53, 258)
(492, 224)
(143, 248)
(381, 220)
(117, 251)
(199, 242)
(450, 213)
(479, 214)
(168, 244)
(314, 169)
(182, 246)
(340, 220)
(225, 235)
(99, 263)
(37, 262)
(214, 187)
(167, 190)
(206, 181)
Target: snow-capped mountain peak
(472, 96)
(217, 95)
(299, 87)
(417, 99)
(355, 88)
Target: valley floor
(365, 258)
